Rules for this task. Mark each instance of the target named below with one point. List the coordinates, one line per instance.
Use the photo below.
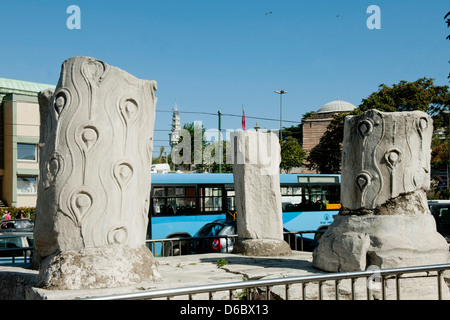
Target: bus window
(231, 200)
(210, 199)
(310, 198)
(324, 195)
(294, 198)
(169, 201)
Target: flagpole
(243, 118)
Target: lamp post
(220, 141)
(447, 112)
(281, 92)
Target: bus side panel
(307, 220)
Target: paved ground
(194, 270)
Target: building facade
(19, 140)
(316, 124)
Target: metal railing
(246, 287)
(11, 253)
(183, 245)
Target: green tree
(292, 154)
(406, 96)
(447, 17)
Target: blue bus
(181, 203)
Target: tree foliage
(292, 154)
(405, 96)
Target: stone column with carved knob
(384, 220)
(95, 162)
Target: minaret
(174, 136)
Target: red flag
(243, 119)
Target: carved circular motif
(81, 202)
(123, 172)
(365, 128)
(128, 109)
(117, 235)
(62, 99)
(89, 136)
(393, 157)
(363, 180)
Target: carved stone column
(95, 163)
(258, 198)
(384, 220)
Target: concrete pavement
(194, 270)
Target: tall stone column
(95, 163)
(258, 198)
(384, 220)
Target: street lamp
(281, 92)
(447, 112)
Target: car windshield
(209, 230)
(10, 242)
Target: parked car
(299, 242)
(440, 209)
(212, 244)
(11, 243)
(14, 225)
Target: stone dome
(336, 106)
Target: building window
(26, 152)
(26, 185)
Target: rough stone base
(262, 247)
(352, 243)
(106, 267)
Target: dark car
(16, 244)
(17, 225)
(440, 209)
(299, 242)
(212, 241)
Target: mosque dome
(336, 106)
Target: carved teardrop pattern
(129, 110)
(393, 157)
(89, 137)
(53, 168)
(421, 125)
(117, 235)
(94, 70)
(123, 172)
(80, 203)
(365, 128)
(362, 181)
(61, 100)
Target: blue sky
(222, 55)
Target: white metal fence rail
(268, 284)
